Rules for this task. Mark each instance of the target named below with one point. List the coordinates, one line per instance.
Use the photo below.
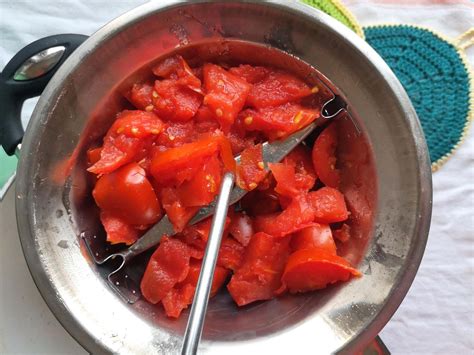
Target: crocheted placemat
(437, 77)
(337, 10)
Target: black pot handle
(26, 76)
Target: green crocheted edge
(337, 10)
(470, 114)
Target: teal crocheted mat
(437, 78)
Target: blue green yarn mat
(435, 76)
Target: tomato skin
(225, 94)
(329, 205)
(117, 230)
(251, 170)
(168, 266)
(298, 215)
(313, 269)
(277, 88)
(241, 228)
(314, 236)
(126, 193)
(259, 275)
(324, 157)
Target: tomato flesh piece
(251, 170)
(181, 296)
(176, 68)
(277, 122)
(117, 230)
(277, 88)
(168, 265)
(259, 275)
(324, 157)
(313, 269)
(178, 214)
(251, 74)
(128, 137)
(230, 254)
(225, 94)
(204, 186)
(175, 102)
(343, 234)
(141, 95)
(126, 193)
(298, 215)
(314, 236)
(329, 205)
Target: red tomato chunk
(169, 155)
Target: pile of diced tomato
(168, 153)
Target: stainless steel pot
(77, 106)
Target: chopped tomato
(117, 230)
(141, 96)
(230, 253)
(251, 74)
(176, 134)
(126, 193)
(324, 157)
(342, 234)
(298, 215)
(278, 122)
(93, 155)
(189, 125)
(300, 159)
(181, 296)
(168, 165)
(226, 94)
(220, 276)
(277, 88)
(126, 140)
(178, 299)
(178, 215)
(314, 236)
(251, 170)
(313, 269)
(328, 205)
(259, 275)
(168, 266)
(176, 68)
(241, 228)
(204, 186)
(175, 102)
(137, 124)
(165, 164)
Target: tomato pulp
(168, 155)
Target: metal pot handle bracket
(26, 76)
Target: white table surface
(436, 317)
